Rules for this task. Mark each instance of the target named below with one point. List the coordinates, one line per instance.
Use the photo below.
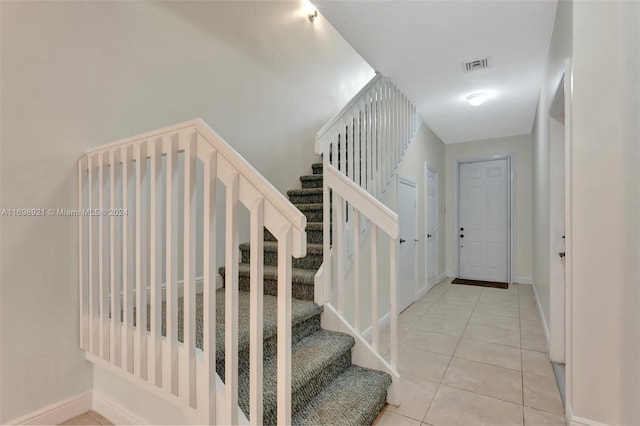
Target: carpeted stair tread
(298, 275)
(304, 191)
(301, 311)
(309, 206)
(311, 181)
(356, 397)
(317, 168)
(272, 246)
(314, 226)
(311, 362)
(306, 195)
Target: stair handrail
(118, 252)
(345, 109)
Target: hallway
(474, 355)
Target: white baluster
(141, 264)
(393, 249)
(188, 392)
(171, 264)
(339, 224)
(209, 285)
(326, 234)
(155, 262)
(114, 259)
(127, 264)
(231, 300)
(82, 287)
(356, 269)
(374, 287)
(256, 302)
(103, 251)
(284, 326)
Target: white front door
(432, 228)
(408, 244)
(483, 220)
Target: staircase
(326, 387)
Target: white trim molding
(547, 335)
(579, 421)
(57, 412)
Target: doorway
(407, 217)
(431, 229)
(484, 214)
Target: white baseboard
(524, 280)
(58, 412)
(545, 326)
(382, 323)
(579, 421)
(441, 277)
(115, 412)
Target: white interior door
(431, 239)
(483, 220)
(408, 243)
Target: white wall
(426, 147)
(544, 245)
(520, 146)
(603, 371)
(80, 74)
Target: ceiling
(423, 46)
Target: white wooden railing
(362, 147)
(141, 238)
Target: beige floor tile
(455, 407)
(489, 353)
(536, 363)
(500, 336)
(82, 419)
(454, 304)
(528, 313)
(415, 396)
(512, 290)
(447, 314)
(484, 379)
(99, 417)
(540, 418)
(505, 311)
(504, 300)
(542, 393)
(389, 418)
(439, 325)
(497, 321)
(429, 341)
(534, 342)
(422, 364)
(531, 327)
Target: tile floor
(474, 356)
(87, 418)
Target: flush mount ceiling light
(477, 99)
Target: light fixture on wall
(477, 99)
(313, 15)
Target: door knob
(428, 235)
(461, 235)
(402, 241)
(462, 229)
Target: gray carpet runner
(326, 388)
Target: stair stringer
(362, 353)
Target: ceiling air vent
(478, 64)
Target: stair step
(305, 321)
(314, 233)
(305, 196)
(311, 181)
(356, 397)
(302, 281)
(317, 168)
(313, 212)
(315, 362)
(312, 260)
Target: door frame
(511, 214)
(408, 181)
(427, 168)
